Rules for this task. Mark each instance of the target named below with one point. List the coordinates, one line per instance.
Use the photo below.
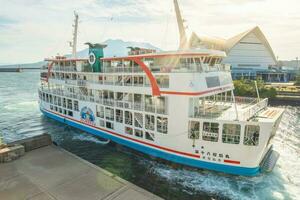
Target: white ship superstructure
(175, 105)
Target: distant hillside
(114, 47)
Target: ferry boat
(175, 105)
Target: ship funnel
(95, 53)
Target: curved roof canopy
(227, 45)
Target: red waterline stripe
(119, 135)
(232, 161)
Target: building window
(109, 113)
(210, 131)
(231, 133)
(138, 133)
(128, 130)
(149, 136)
(150, 122)
(194, 129)
(128, 118)
(162, 124)
(119, 116)
(110, 125)
(138, 120)
(251, 137)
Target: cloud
(33, 29)
(6, 22)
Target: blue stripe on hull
(158, 153)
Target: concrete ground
(50, 173)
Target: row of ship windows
(139, 102)
(118, 80)
(60, 101)
(121, 116)
(138, 120)
(231, 133)
(129, 130)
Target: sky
(31, 30)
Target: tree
(297, 80)
(247, 88)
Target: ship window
(251, 137)
(119, 116)
(149, 136)
(76, 106)
(109, 113)
(128, 118)
(210, 131)
(194, 129)
(162, 124)
(212, 81)
(59, 101)
(60, 110)
(102, 122)
(100, 111)
(161, 105)
(149, 104)
(163, 81)
(65, 111)
(69, 104)
(70, 113)
(128, 80)
(138, 133)
(149, 122)
(64, 103)
(138, 81)
(128, 130)
(138, 120)
(231, 133)
(55, 108)
(51, 107)
(110, 125)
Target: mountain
(115, 47)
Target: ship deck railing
(155, 68)
(247, 108)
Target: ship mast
(182, 33)
(74, 43)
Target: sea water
(20, 117)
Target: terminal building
(249, 53)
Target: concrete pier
(51, 173)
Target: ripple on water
(20, 118)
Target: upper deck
(189, 72)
